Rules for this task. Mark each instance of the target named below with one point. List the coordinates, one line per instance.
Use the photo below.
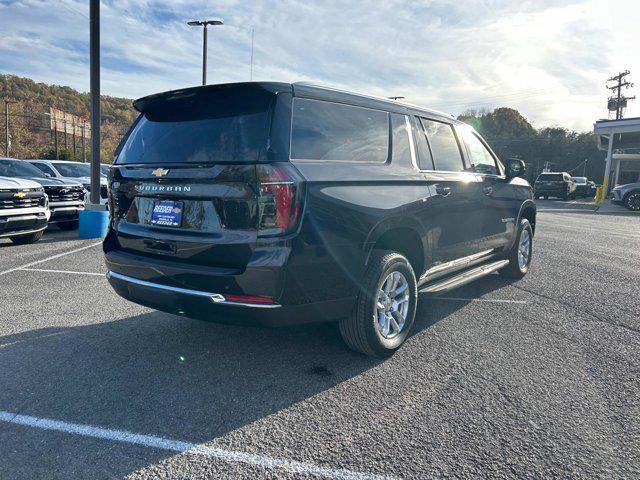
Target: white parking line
(61, 271)
(231, 456)
(53, 257)
(489, 300)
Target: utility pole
(584, 167)
(73, 138)
(6, 127)
(64, 124)
(84, 148)
(618, 102)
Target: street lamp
(205, 24)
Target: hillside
(505, 129)
(29, 127)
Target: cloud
(549, 59)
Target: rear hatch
(550, 180)
(185, 183)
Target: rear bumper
(550, 190)
(215, 307)
(304, 287)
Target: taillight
(279, 199)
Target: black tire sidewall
(381, 345)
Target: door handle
(444, 191)
(487, 190)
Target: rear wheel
(72, 225)
(520, 254)
(386, 306)
(632, 201)
(25, 239)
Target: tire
(362, 331)
(514, 269)
(26, 239)
(632, 201)
(72, 225)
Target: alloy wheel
(524, 249)
(392, 305)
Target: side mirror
(515, 168)
(47, 175)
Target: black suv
(295, 203)
(555, 184)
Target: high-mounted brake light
(279, 199)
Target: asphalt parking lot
(533, 379)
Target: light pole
(205, 24)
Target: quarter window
(333, 131)
(444, 146)
(481, 158)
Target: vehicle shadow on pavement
(163, 375)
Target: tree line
(511, 135)
(505, 129)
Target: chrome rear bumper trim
(216, 298)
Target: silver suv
(627, 195)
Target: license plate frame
(167, 213)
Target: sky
(548, 59)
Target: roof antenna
(395, 98)
(251, 71)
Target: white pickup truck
(24, 210)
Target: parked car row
(31, 200)
(564, 186)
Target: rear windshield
(551, 177)
(580, 180)
(228, 125)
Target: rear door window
(444, 146)
(423, 153)
(400, 140)
(332, 131)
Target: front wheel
(386, 306)
(632, 201)
(26, 239)
(520, 254)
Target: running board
(464, 277)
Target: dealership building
(621, 140)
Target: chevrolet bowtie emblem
(160, 172)
(19, 195)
